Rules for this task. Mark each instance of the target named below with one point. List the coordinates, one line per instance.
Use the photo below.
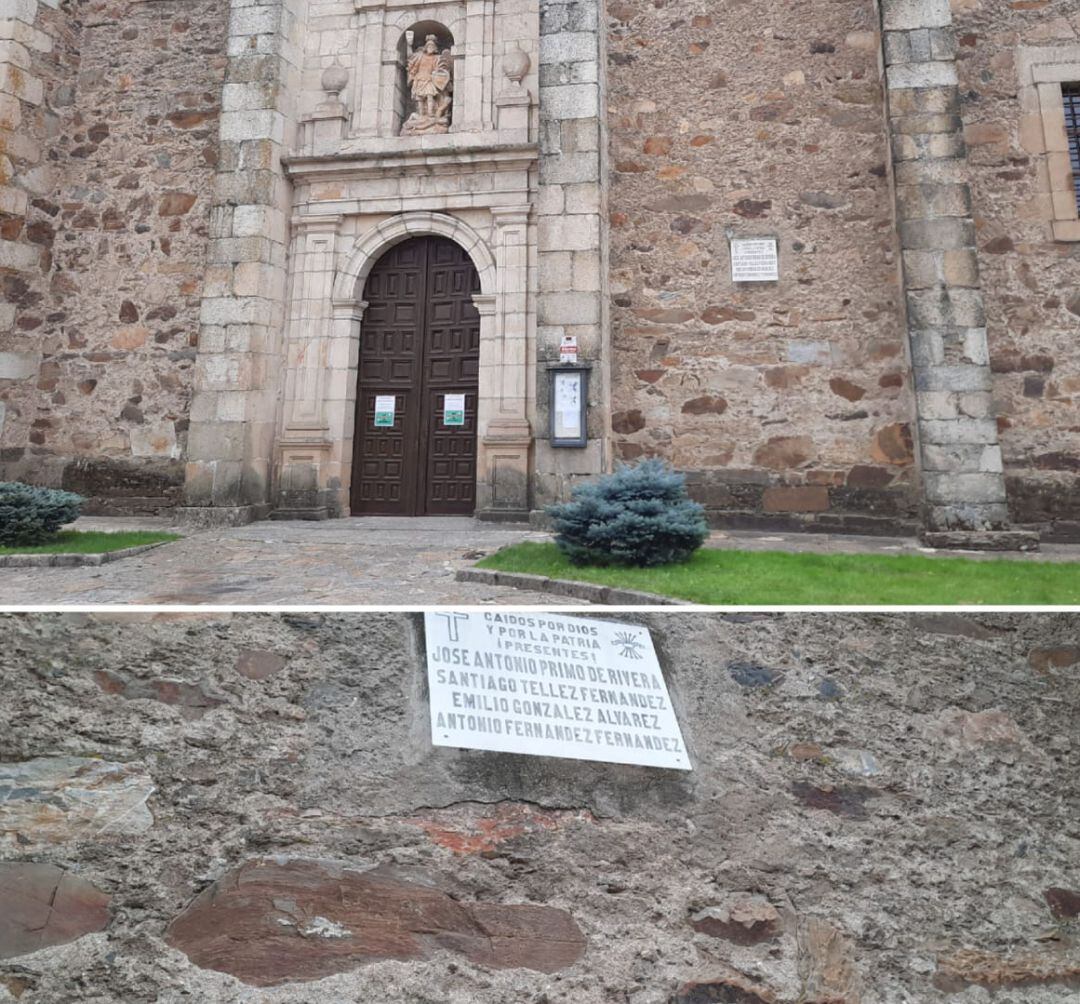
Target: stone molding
(1042, 70)
(411, 154)
(367, 251)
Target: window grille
(1070, 94)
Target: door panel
(420, 341)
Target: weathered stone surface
(259, 665)
(829, 964)
(1063, 903)
(969, 730)
(955, 973)
(1050, 660)
(190, 698)
(627, 421)
(708, 404)
(843, 800)
(957, 625)
(329, 760)
(284, 920)
(59, 799)
(744, 920)
(893, 445)
(783, 452)
(44, 906)
(727, 990)
(984, 540)
(811, 498)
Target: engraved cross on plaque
(452, 622)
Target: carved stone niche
(426, 79)
(478, 74)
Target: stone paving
(373, 561)
(377, 561)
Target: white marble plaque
(549, 685)
(755, 260)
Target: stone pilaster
(305, 446)
(233, 412)
(572, 259)
(507, 439)
(959, 455)
(503, 457)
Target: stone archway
(419, 355)
(349, 283)
(318, 429)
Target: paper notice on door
(385, 406)
(454, 409)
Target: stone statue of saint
(431, 80)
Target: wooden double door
(419, 345)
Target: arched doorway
(419, 349)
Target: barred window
(1070, 95)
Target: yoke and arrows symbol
(629, 645)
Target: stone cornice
(467, 159)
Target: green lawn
(768, 578)
(92, 542)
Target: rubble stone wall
(881, 811)
(131, 141)
(789, 399)
(1030, 278)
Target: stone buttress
(963, 498)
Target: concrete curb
(73, 560)
(604, 595)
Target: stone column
(964, 502)
(234, 408)
(305, 442)
(505, 434)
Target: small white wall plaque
(755, 260)
(548, 685)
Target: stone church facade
(251, 267)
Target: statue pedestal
(322, 130)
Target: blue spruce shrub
(637, 516)
(30, 515)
